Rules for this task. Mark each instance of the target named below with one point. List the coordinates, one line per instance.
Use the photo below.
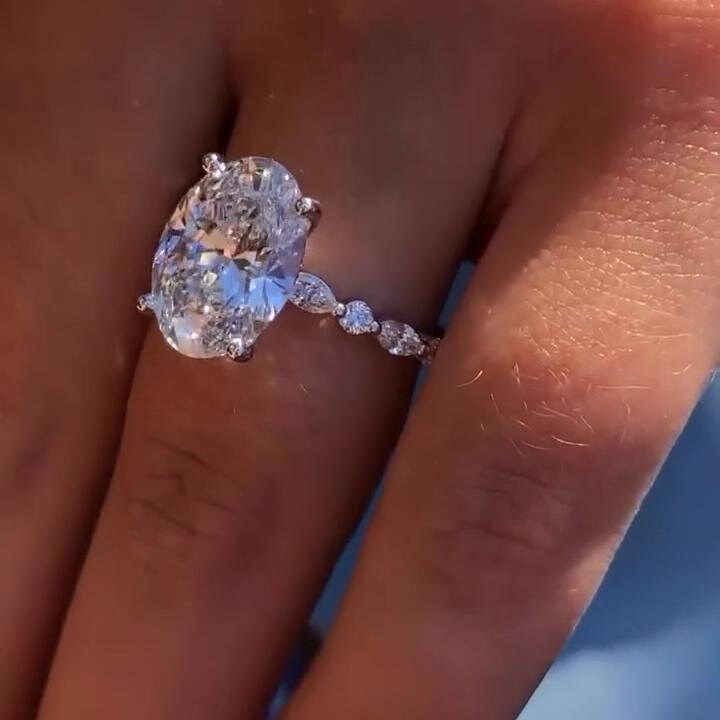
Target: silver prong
(429, 349)
(214, 164)
(144, 303)
(238, 354)
(310, 209)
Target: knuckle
(35, 432)
(27, 458)
(509, 521)
(186, 505)
(551, 463)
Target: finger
(82, 93)
(237, 484)
(566, 376)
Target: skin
(166, 524)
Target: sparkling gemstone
(400, 339)
(313, 294)
(357, 318)
(228, 258)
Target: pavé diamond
(400, 339)
(357, 318)
(228, 258)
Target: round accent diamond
(400, 339)
(357, 318)
(229, 258)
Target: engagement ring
(231, 256)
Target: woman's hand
(571, 147)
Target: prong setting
(238, 354)
(144, 303)
(214, 164)
(309, 208)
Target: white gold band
(312, 294)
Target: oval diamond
(228, 258)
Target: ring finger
(236, 485)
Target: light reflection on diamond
(228, 258)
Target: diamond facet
(228, 258)
(357, 318)
(312, 294)
(400, 339)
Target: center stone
(228, 258)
